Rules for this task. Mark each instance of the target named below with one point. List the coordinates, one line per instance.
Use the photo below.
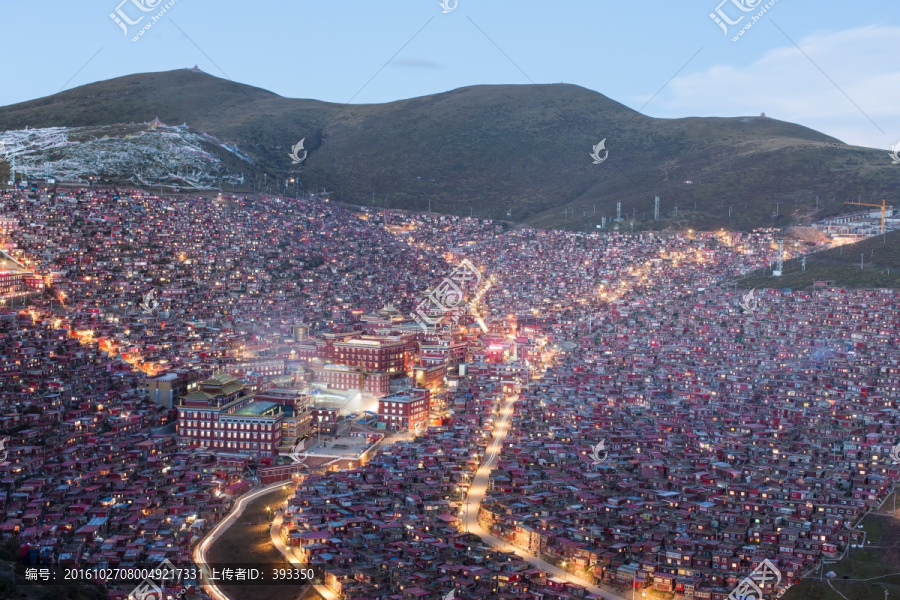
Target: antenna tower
(780, 265)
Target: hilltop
(492, 149)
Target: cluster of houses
(394, 523)
(92, 474)
(687, 445)
(681, 436)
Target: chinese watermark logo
(295, 152)
(148, 588)
(596, 453)
(121, 19)
(895, 454)
(751, 586)
(4, 453)
(449, 5)
(723, 20)
(895, 153)
(749, 302)
(601, 147)
(446, 300)
(149, 305)
(451, 595)
(295, 455)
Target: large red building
(15, 278)
(11, 282)
(405, 410)
(388, 355)
(345, 377)
(295, 405)
(392, 354)
(221, 416)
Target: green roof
(255, 408)
(219, 379)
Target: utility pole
(780, 268)
(467, 515)
(656, 209)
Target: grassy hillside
(868, 573)
(881, 267)
(490, 149)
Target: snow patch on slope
(145, 153)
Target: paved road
(202, 548)
(325, 592)
(279, 543)
(476, 494)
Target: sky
(832, 66)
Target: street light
(643, 594)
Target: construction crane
(883, 206)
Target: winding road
(476, 494)
(203, 547)
(274, 530)
(474, 498)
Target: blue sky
(843, 80)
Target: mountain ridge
(498, 150)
